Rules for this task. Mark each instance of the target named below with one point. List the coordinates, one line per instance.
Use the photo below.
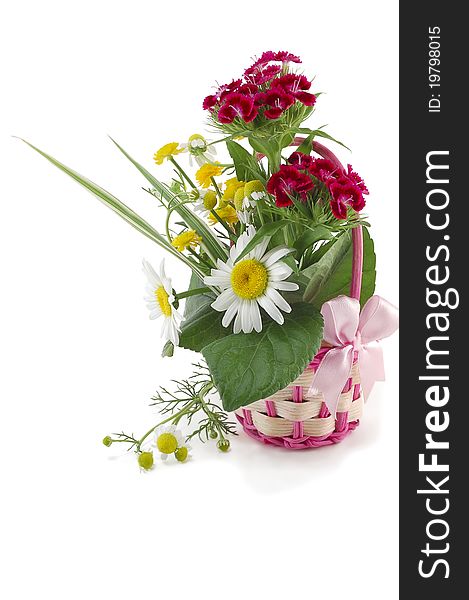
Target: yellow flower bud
(253, 186)
(210, 199)
(145, 460)
(181, 454)
(239, 197)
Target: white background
(79, 357)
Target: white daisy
(160, 302)
(252, 283)
(199, 150)
(168, 438)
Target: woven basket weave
(296, 417)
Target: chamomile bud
(239, 198)
(213, 434)
(223, 445)
(205, 201)
(210, 199)
(107, 441)
(253, 186)
(145, 460)
(182, 453)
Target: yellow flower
(186, 239)
(227, 213)
(167, 151)
(205, 173)
(232, 185)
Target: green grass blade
(192, 220)
(117, 206)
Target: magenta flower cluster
(266, 89)
(304, 172)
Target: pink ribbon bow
(349, 330)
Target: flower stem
(183, 173)
(193, 292)
(215, 185)
(174, 418)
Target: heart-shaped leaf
(248, 367)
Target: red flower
(265, 58)
(209, 102)
(358, 181)
(323, 169)
(301, 161)
(261, 74)
(237, 105)
(345, 193)
(229, 87)
(249, 89)
(286, 182)
(296, 85)
(286, 57)
(270, 56)
(279, 101)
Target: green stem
(193, 292)
(200, 258)
(259, 212)
(222, 222)
(210, 413)
(174, 418)
(217, 189)
(183, 173)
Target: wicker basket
(296, 417)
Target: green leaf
(193, 303)
(263, 145)
(320, 133)
(246, 166)
(168, 350)
(306, 145)
(318, 254)
(267, 146)
(301, 207)
(202, 325)
(248, 367)
(310, 237)
(331, 275)
(286, 140)
(266, 230)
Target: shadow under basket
(296, 416)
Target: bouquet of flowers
(269, 224)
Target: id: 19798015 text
(434, 69)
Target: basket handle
(357, 232)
